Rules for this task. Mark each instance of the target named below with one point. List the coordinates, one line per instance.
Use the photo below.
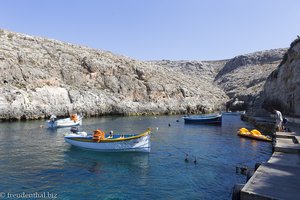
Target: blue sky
(159, 29)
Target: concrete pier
(279, 178)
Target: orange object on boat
(74, 117)
(98, 135)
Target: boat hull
(64, 123)
(203, 119)
(262, 138)
(234, 113)
(137, 143)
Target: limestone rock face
(282, 88)
(243, 77)
(41, 76)
(204, 70)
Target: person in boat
(52, 118)
(122, 136)
(279, 120)
(111, 134)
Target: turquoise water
(37, 161)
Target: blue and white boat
(100, 141)
(204, 119)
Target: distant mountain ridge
(41, 76)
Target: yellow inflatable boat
(254, 134)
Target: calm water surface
(35, 160)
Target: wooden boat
(254, 134)
(73, 120)
(234, 113)
(204, 119)
(103, 142)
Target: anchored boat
(204, 119)
(254, 134)
(110, 142)
(73, 120)
(234, 113)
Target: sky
(159, 29)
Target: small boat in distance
(99, 141)
(254, 134)
(204, 119)
(73, 120)
(234, 113)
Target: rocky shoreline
(41, 76)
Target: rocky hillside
(243, 77)
(282, 88)
(204, 70)
(41, 76)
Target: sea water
(186, 161)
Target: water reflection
(95, 168)
(95, 161)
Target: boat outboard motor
(74, 129)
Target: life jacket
(98, 135)
(74, 117)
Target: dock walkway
(279, 178)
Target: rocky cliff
(41, 76)
(243, 77)
(282, 88)
(203, 70)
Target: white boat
(111, 143)
(73, 120)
